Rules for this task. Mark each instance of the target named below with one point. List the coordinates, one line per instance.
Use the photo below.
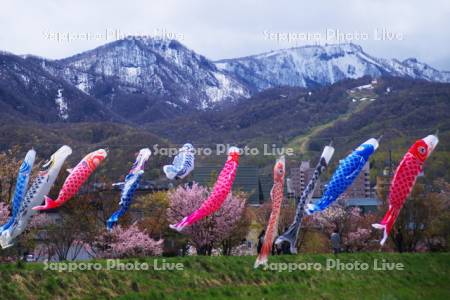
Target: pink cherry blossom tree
(354, 227)
(212, 230)
(336, 217)
(4, 213)
(126, 242)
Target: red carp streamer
(75, 180)
(221, 189)
(404, 179)
(276, 194)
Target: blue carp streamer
(21, 186)
(347, 170)
(130, 185)
(39, 188)
(183, 163)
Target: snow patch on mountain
(174, 105)
(63, 108)
(25, 79)
(225, 88)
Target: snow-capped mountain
(413, 68)
(148, 71)
(144, 80)
(29, 93)
(310, 66)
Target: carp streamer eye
(47, 164)
(422, 150)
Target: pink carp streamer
(75, 180)
(221, 189)
(403, 181)
(276, 195)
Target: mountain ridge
(156, 67)
(145, 80)
(318, 65)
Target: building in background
(300, 177)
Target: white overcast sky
(226, 29)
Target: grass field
(425, 276)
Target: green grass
(300, 143)
(425, 276)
